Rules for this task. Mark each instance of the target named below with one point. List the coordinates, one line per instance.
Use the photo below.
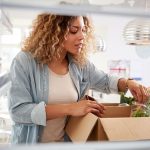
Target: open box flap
(118, 129)
(79, 128)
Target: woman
(52, 74)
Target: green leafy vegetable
(140, 112)
(124, 99)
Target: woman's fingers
(95, 112)
(146, 93)
(87, 106)
(94, 104)
(142, 94)
(99, 107)
(102, 106)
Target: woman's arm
(107, 83)
(80, 108)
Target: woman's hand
(84, 107)
(139, 91)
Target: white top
(62, 90)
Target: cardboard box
(116, 125)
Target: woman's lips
(79, 45)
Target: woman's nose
(81, 35)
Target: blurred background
(122, 31)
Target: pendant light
(137, 32)
(100, 44)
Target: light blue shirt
(29, 93)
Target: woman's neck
(59, 66)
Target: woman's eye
(73, 31)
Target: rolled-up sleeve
(38, 115)
(113, 84)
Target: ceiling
(23, 16)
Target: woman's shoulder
(24, 57)
(85, 68)
(24, 60)
(88, 65)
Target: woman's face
(75, 38)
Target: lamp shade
(100, 44)
(137, 32)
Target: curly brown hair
(47, 36)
